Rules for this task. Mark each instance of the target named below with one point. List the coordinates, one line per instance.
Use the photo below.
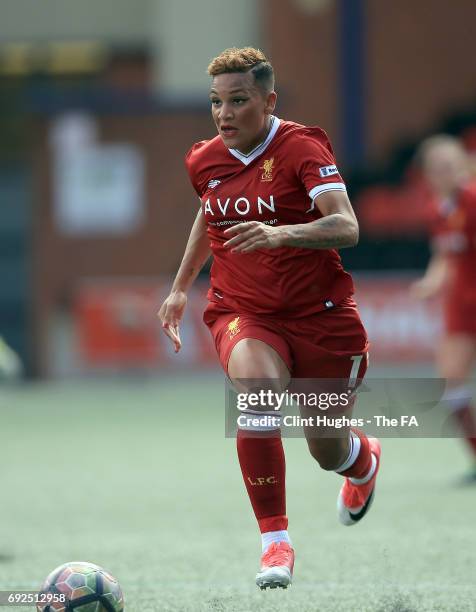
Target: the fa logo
(267, 168)
(328, 170)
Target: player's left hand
(252, 235)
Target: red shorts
(460, 316)
(330, 344)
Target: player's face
(446, 168)
(240, 110)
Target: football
(80, 586)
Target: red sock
(467, 422)
(262, 463)
(363, 462)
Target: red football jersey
(454, 233)
(276, 184)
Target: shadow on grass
(398, 603)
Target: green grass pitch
(138, 477)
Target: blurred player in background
(273, 210)
(452, 272)
(11, 367)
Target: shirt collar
(259, 149)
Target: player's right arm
(435, 277)
(196, 254)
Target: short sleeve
(191, 170)
(316, 164)
(455, 230)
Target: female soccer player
(452, 270)
(273, 210)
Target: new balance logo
(212, 184)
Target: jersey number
(356, 360)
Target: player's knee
(253, 365)
(252, 424)
(256, 376)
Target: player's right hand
(424, 289)
(171, 313)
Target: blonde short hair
(437, 141)
(246, 59)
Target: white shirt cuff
(320, 189)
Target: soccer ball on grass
(79, 586)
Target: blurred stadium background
(112, 446)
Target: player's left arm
(338, 228)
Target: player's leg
(455, 359)
(254, 365)
(252, 351)
(351, 454)
(331, 348)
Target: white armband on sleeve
(320, 189)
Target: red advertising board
(117, 324)
(401, 329)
